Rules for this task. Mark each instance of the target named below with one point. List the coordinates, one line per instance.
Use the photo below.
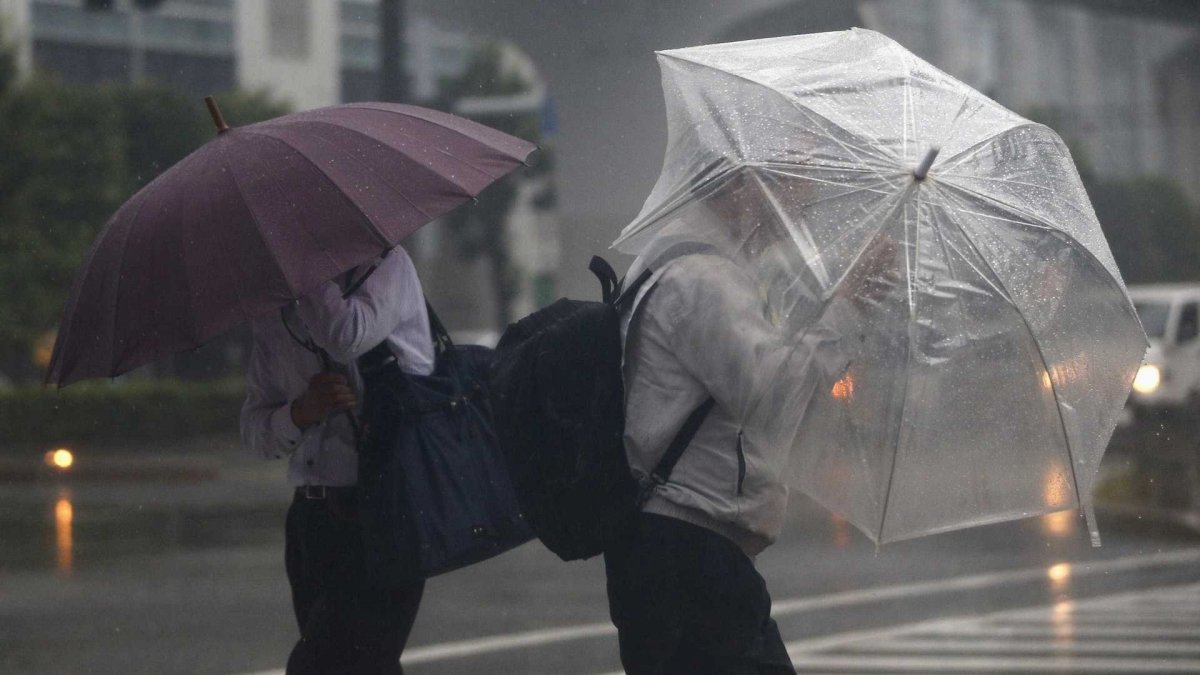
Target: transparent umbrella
(990, 340)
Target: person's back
(700, 331)
(683, 590)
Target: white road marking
(1039, 644)
(1009, 664)
(537, 638)
(978, 581)
(1023, 640)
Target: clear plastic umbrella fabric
(990, 341)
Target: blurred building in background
(306, 53)
(1119, 78)
(1111, 74)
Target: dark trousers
(685, 599)
(347, 625)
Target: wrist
(297, 410)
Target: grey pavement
(183, 573)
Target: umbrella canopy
(990, 338)
(262, 215)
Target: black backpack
(559, 409)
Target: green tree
(480, 229)
(63, 170)
(69, 156)
(8, 62)
(163, 126)
(1151, 228)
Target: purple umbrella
(261, 215)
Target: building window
(289, 28)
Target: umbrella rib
(370, 224)
(112, 365)
(908, 265)
(257, 230)
(1041, 356)
(791, 101)
(451, 130)
(1012, 207)
(1037, 221)
(414, 138)
(961, 155)
(358, 161)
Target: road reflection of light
(1060, 576)
(1059, 523)
(841, 531)
(64, 515)
(1063, 617)
(843, 389)
(1056, 487)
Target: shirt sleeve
(267, 429)
(389, 299)
(717, 330)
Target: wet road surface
(183, 573)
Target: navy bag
(434, 490)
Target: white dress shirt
(389, 306)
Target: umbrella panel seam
(1058, 403)
(362, 164)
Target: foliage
(63, 168)
(133, 409)
(69, 157)
(1151, 226)
(163, 126)
(8, 62)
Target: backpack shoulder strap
(678, 444)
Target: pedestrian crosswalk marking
(1040, 646)
(1008, 664)
(1152, 631)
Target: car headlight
(1147, 379)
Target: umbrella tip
(215, 111)
(922, 169)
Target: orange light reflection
(64, 515)
(841, 531)
(1063, 618)
(843, 389)
(1059, 523)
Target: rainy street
(181, 571)
(893, 305)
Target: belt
(325, 491)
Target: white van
(1169, 379)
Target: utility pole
(137, 45)
(393, 75)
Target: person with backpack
(683, 590)
(301, 384)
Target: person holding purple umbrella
(301, 380)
